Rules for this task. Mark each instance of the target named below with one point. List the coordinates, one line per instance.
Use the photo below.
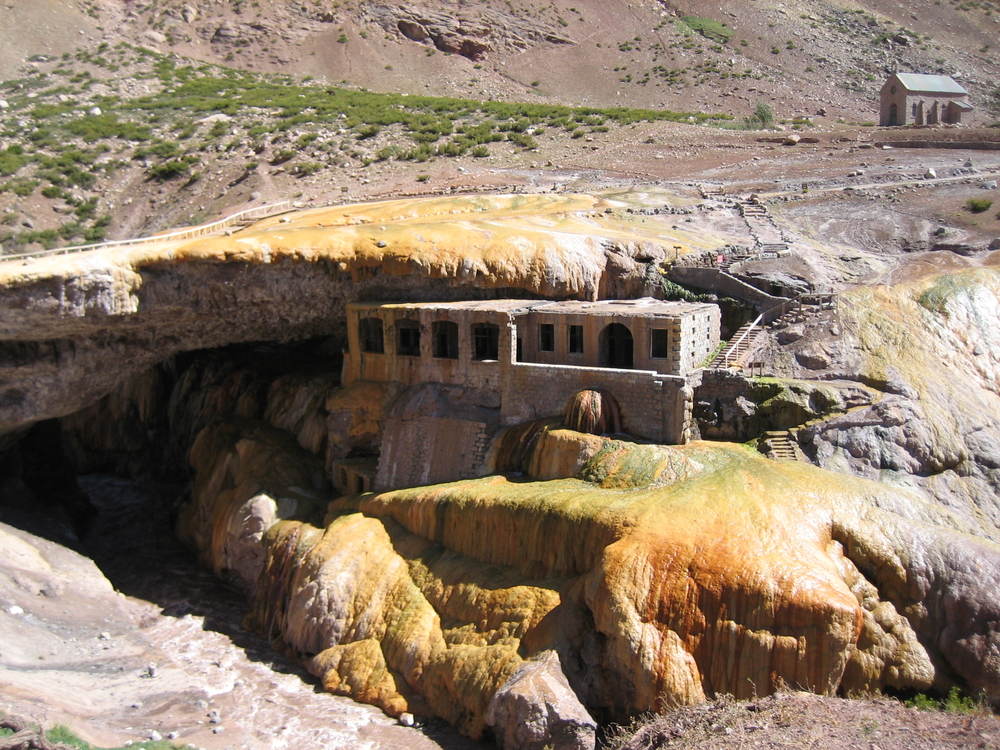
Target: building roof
(644, 307)
(930, 83)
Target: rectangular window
(408, 341)
(370, 333)
(546, 337)
(576, 339)
(485, 341)
(445, 336)
(658, 343)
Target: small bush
(168, 170)
(305, 168)
(978, 205)
(708, 28)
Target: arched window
(370, 334)
(408, 338)
(445, 338)
(485, 341)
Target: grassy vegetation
(68, 138)
(978, 205)
(66, 736)
(955, 701)
(708, 28)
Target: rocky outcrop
(74, 327)
(471, 35)
(664, 576)
(929, 349)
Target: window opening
(546, 337)
(445, 335)
(658, 343)
(408, 338)
(485, 341)
(370, 333)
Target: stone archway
(616, 347)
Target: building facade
(918, 99)
(532, 356)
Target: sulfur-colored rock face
(658, 575)
(76, 326)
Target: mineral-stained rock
(537, 709)
(72, 329)
(668, 575)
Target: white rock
(406, 719)
(930, 174)
(95, 111)
(104, 636)
(154, 36)
(4, 104)
(155, 736)
(13, 609)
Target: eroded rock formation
(667, 575)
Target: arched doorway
(616, 347)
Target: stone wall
(653, 406)
(714, 280)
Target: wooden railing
(190, 232)
(732, 349)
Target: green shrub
(708, 28)
(305, 168)
(11, 160)
(168, 170)
(480, 151)
(978, 205)
(94, 127)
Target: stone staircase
(752, 207)
(779, 445)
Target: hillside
(801, 55)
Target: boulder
(154, 36)
(536, 709)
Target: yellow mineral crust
(506, 240)
(667, 575)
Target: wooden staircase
(742, 344)
(779, 445)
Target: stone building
(481, 365)
(919, 99)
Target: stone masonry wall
(653, 406)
